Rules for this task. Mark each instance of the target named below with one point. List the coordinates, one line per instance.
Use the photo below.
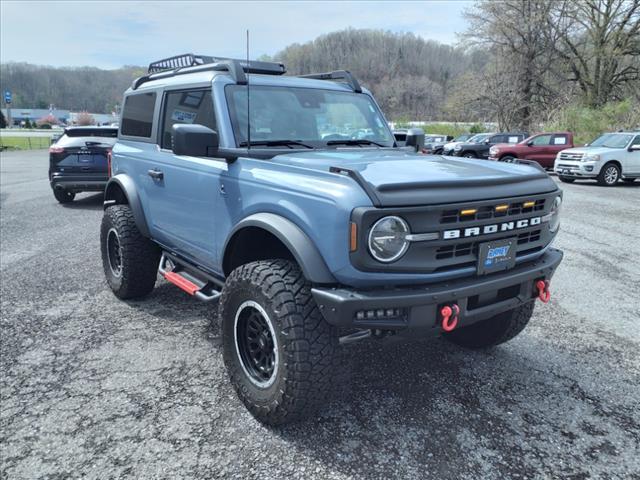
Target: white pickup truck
(609, 158)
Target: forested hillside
(409, 76)
(85, 88)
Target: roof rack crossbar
(190, 63)
(337, 75)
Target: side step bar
(189, 279)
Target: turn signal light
(353, 237)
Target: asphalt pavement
(95, 387)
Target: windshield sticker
(559, 141)
(513, 140)
(182, 116)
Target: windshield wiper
(275, 143)
(362, 141)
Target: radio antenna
(248, 99)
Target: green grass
(24, 143)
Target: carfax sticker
(182, 116)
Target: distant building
(19, 115)
(99, 118)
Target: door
(539, 149)
(631, 160)
(183, 192)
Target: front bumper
(574, 169)
(478, 297)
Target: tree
(519, 34)
(600, 43)
(85, 118)
(47, 121)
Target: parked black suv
(481, 150)
(79, 161)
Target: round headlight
(387, 240)
(554, 221)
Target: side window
(542, 140)
(560, 140)
(635, 141)
(195, 106)
(137, 114)
(497, 139)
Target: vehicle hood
(401, 178)
(590, 150)
(451, 145)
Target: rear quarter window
(137, 115)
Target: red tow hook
(449, 315)
(544, 294)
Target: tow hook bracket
(543, 291)
(449, 314)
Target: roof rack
(337, 75)
(190, 63)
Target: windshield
(315, 117)
(462, 138)
(479, 138)
(611, 140)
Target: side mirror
(194, 140)
(530, 143)
(415, 138)
(634, 148)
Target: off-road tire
(307, 346)
(139, 256)
(63, 196)
(493, 331)
(566, 179)
(606, 173)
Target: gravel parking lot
(98, 388)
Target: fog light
(589, 169)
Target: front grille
(489, 211)
(574, 157)
(471, 248)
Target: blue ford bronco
(286, 201)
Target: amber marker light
(469, 211)
(502, 208)
(353, 237)
(529, 204)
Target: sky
(109, 34)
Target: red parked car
(541, 148)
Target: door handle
(155, 174)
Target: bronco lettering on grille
(488, 229)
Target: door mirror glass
(415, 138)
(194, 140)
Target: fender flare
(299, 244)
(126, 184)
